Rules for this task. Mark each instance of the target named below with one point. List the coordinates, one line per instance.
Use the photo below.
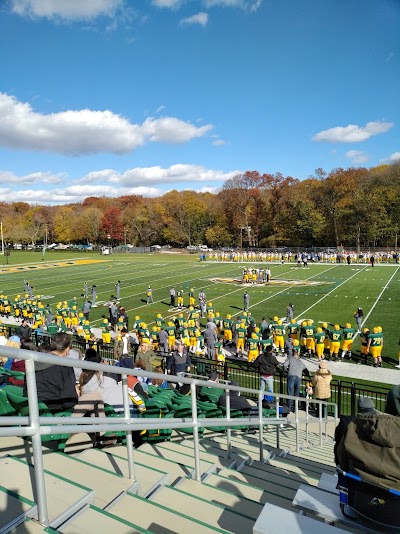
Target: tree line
(354, 207)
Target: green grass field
(324, 292)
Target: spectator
(24, 331)
(147, 355)
(370, 447)
(15, 343)
(122, 344)
(364, 405)
(179, 362)
(56, 383)
(266, 364)
(163, 341)
(19, 365)
(236, 401)
(295, 368)
(322, 384)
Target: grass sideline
(322, 292)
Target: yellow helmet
(144, 325)
(185, 324)
(319, 329)
(80, 314)
(159, 316)
(279, 322)
(256, 329)
(87, 322)
(209, 304)
(254, 336)
(366, 330)
(275, 317)
(336, 327)
(180, 315)
(375, 330)
(295, 343)
(245, 313)
(191, 322)
(324, 325)
(217, 314)
(191, 289)
(137, 317)
(379, 329)
(293, 321)
(154, 329)
(304, 323)
(170, 323)
(348, 325)
(309, 322)
(74, 308)
(105, 321)
(229, 316)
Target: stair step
(170, 462)
(14, 509)
(217, 515)
(94, 519)
(158, 518)
(175, 452)
(242, 486)
(148, 477)
(106, 484)
(63, 497)
(30, 526)
(239, 503)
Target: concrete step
(107, 485)
(249, 445)
(174, 470)
(94, 519)
(259, 492)
(169, 462)
(277, 466)
(217, 515)
(175, 450)
(159, 519)
(147, 478)
(31, 526)
(63, 497)
(14, 509)
(225, 498)
(287, 490)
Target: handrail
(35, 425)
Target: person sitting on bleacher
(370, 447)
(236, 401)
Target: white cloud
(85, 131)
(353, 133)
(144, 181)
(160, 109)
(395, 157)
(200, 18)
(356, 156)
(66, 9)
(219, 142)
(178, 173)
(247, 5)
(7, 177)
(169, 4)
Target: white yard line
(334, 289)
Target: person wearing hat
(322, 384)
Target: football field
(323, 292)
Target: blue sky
(114, 97)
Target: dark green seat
(6, 408)
(211, 394)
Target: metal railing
(35, 426)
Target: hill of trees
(356, 207)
